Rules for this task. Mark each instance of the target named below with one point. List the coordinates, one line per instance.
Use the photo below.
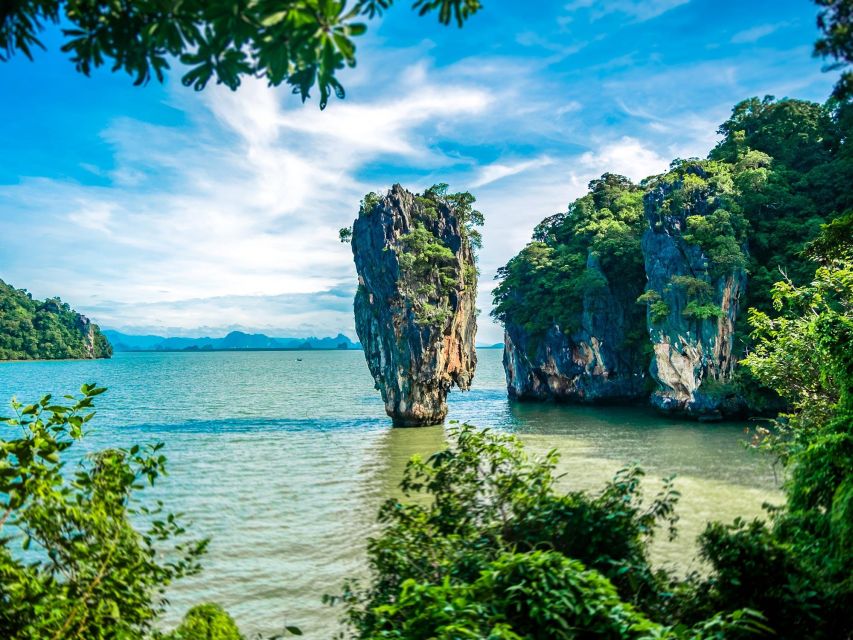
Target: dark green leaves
(485, 546)
(835, 22)
(303, 43)
(458, 10)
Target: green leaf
(274, 19)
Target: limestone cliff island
(415, 305)
(644, 291)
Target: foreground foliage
(801, 562)
(486, 547)
(74, 562)
(298, 42)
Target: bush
(485, 547)
(81, 557)
(207, 622)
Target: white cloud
(626, 156)
(640, 10)
(93, 215)
(497, 171)
(754, 34)
(246, 202)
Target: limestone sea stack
(592, 363)
(568, 302)
(415, 309)
(693, 291)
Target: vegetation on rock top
(782, 170)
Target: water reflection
(397, 447)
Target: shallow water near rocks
(283, 463)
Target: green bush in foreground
(72, 563)
(206, 622)
(496, 552)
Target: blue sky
(158, 209)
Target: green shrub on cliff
(595, 243)
(461, 204)
(430, 270)
(49, 329)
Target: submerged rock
(696, 277)
(415, 306)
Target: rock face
(588, 365)
(415, 306)
(573, 328)
(693, 355)
(87, 331)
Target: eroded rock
(590, 364)
(415, 305)
(693, 301)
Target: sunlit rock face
(693, 356)
(594, 363)
(416, 319)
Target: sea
(283, 458)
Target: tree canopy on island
(298, 42)
(45, 329)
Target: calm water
(284, 463)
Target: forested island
(45, 329)
(644, 291)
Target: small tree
(72, 563)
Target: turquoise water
(284, 463)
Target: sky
(161, 210)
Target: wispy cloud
(497, 171)
(640, 10)
(756, 33)
(248, 200)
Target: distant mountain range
(233, 341)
